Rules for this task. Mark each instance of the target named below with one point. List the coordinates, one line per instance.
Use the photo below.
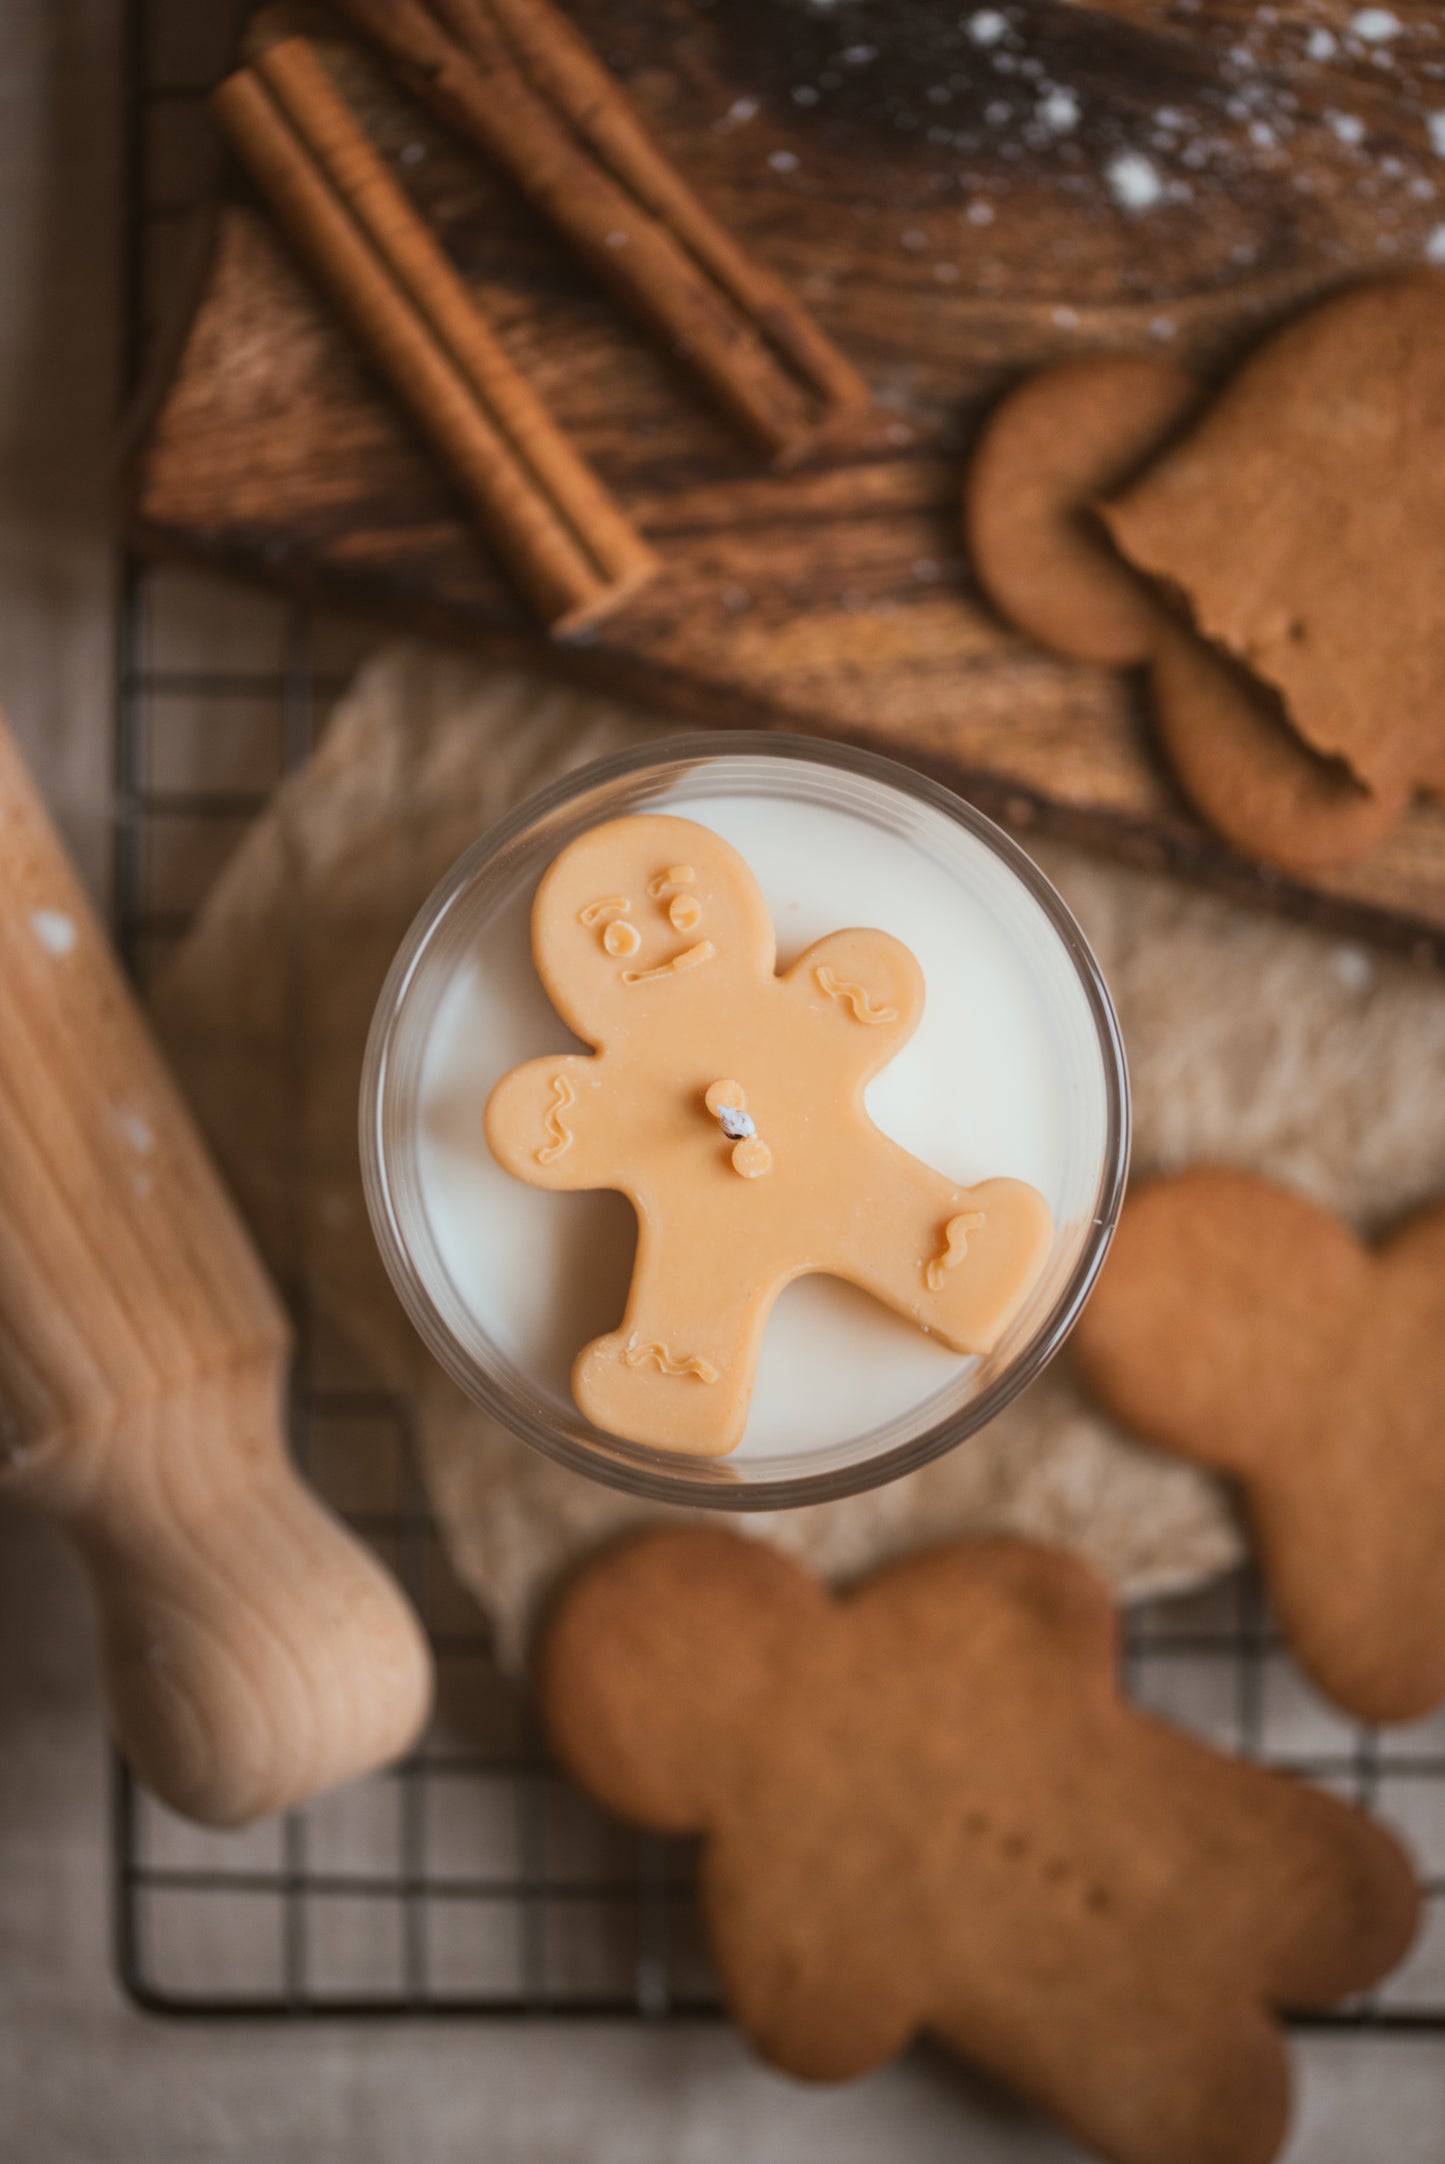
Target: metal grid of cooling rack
(473, 1880)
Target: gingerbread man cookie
(927, 1807)
(1250, 1331)
(726, 1102)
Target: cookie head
(641, 919)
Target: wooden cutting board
(958, 196)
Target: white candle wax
(981, 1090)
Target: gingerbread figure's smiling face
(639, 919)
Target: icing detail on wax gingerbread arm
(536, 1123)
(866, 990)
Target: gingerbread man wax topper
(726, 1102)
(927, 1807)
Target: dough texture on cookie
(1250, 1331)
(1303, 518)
(927, 1807)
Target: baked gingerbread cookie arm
(537, 1125)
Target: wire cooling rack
(473, 1880)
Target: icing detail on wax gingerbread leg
(679, 1373)
(955, 1247)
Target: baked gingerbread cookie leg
(927, 1807)
(1250, 1331)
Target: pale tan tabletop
(84, 2079)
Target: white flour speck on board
(1352, 968)
(135, 1129)
(1059, 111)
(980, 213)
(55, 931)
(1134, 180)
(1435, 126)
(1375, 25)
(1320, 44)
(986, 26)
(1163, 328)
(1347, 126)
(1066, 318)
(1435, 246)
(783, 161)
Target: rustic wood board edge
(1180, 845)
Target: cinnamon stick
(516, 79)
(567, 543)
(563, 64)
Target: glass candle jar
(1016, 1069)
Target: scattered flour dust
(987, 26)
(1134, 180)
(1059, 111)
(135, 1130)
(1376, 25)
(55, 931)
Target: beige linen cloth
(1250, 1040)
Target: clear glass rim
(619, 1465)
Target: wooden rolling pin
(254, 1653)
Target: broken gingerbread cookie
(1250, 1331)
(926, 1807)
(726, 1102)
(1302, 519)
(1035, 514)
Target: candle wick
(728, 1104)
